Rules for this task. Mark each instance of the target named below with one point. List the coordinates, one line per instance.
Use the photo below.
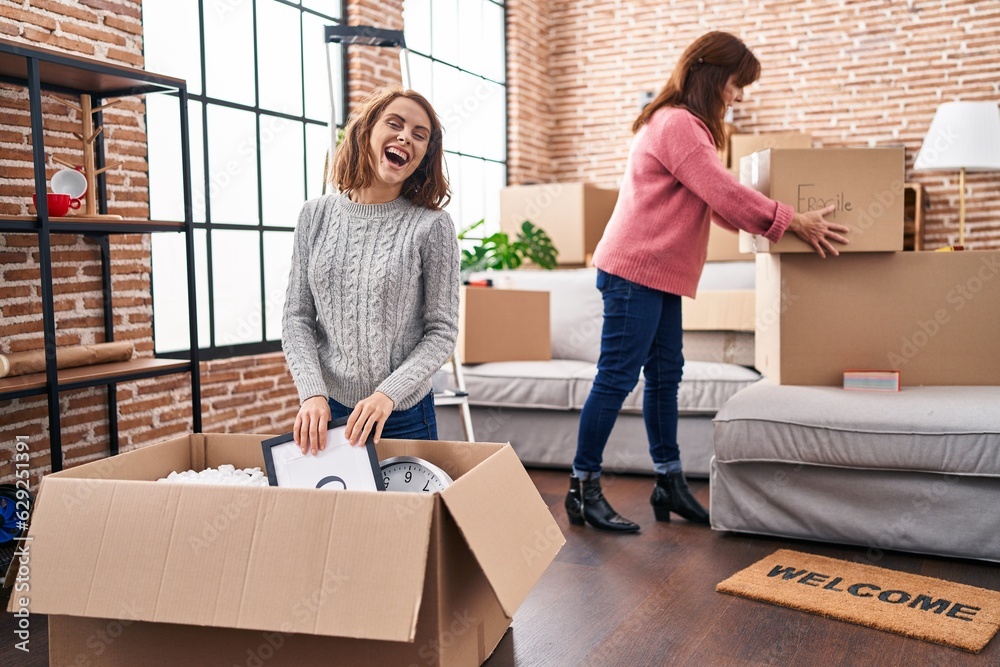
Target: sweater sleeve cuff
(309, 388)
(782, 219)
(395, 388)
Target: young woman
(372, 305)
(652, 253)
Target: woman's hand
(817, 232)
(310, 424)
(368, 414)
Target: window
(458, 60)
(259, 116)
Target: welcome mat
(925, 608)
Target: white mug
(69, 182)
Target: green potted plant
(499, 251)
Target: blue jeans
(642, 332)
(416, 423)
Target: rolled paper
(70, 356)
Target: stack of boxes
(932, 316)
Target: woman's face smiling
(399, 143)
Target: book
(871, 380)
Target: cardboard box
(131, 571)
(724, 246)
(496, 324)
(932, 316)
(865, 184)
(572, 214)
(719, 310)
(741, 145)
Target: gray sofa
(535, 405)
(916, 471)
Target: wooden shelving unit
(40, 69)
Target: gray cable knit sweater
(372, 302)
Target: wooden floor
(649, 599)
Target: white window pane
(447, 97)
(494, 180)
(470, 34)
(486, 122)
(166, 189)
(471, 184)
(317, 77)
(201, 286)
(229, 51)
(317, 144)
(420, 77)
(281, 170)
(330, 8)
(165, 24)
(232, 165)
(169, 265)
(279, 64)
(236, 279)
(170, 326)
(492, 48)
(444, 30)
(417, 25)
(196, 130)
(277, 265)
(166, 200)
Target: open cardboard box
(134, 572)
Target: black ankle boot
(671, 494)
(585, 502)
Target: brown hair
(700, 77)
(353, 168)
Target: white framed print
(337, 467)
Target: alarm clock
(409, 473)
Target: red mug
(59, 205)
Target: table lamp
(963, 136)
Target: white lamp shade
(962, 135)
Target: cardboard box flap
(506, 524)
(111, 549)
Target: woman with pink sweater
(652, 254)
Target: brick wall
(531, 98)
(867, 73)
(372, 67)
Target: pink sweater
(674, 186)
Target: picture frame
(340, 465)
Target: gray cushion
(564, 384)
(935, 429)
(705, 387)
(523, 384)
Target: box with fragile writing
(741, 145)
(572, 214)
(932, 316)
(496, 324)
(135, 572)
(864, 185)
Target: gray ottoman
(917, 470)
